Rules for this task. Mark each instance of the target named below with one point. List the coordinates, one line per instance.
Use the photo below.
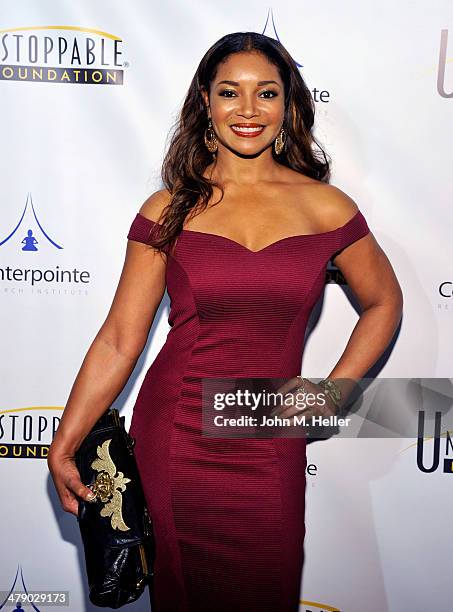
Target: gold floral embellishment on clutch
(109, 486)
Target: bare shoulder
(154, 206)
(331, 206)
(328, 206)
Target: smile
(247, 131)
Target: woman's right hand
(66, 478)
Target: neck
(233, 169)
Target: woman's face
(247, 103)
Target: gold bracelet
(332, 390)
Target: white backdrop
(78, 157)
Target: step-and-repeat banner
(88, 93)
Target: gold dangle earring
(279, 142)
(210, 139)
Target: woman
(241, 236)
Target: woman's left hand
(309, 399)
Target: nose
(247, 106)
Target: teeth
(246, 129)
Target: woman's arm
(110, 359)
(372, 280)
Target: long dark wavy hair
(187, 157)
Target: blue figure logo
(18, 604)
(30, 241)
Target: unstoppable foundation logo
(61, 54)
(316, 606)
(26, 433)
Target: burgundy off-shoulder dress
(228, 513)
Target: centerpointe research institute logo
(61, 54)
(321, 96)
(32, 250)
(445, 295)
(25, 236)
(13, 594)
(274, 35)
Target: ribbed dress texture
(228, 514)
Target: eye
(270, 91)
(227, 91)
(267, 94)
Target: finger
(77, 488)
(299, 387)
(69, 503)
(291, 384)
(286, 411)
(291, 411)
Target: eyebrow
(236, 84)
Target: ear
(205, 96)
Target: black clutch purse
(116, 528)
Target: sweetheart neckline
(211, 235)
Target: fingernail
(90, 496)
